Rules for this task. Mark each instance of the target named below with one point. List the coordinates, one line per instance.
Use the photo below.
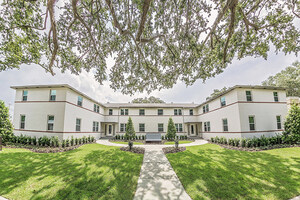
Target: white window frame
(123, 127)
(207, 126)
(160, 113)
(52, 96)
(276, 98)
(252, 123)
(124, 111)
(79, 101)
(225, 125)
(251, 99)
(110, 111)
(177, 111)
(191, 112)
(24, 96)
(50, 122)
(142, 112)
(160, 127)
(223, 101)
(22, 122)
(278, 124)
(141, 130)
(179, 127)
(95, 126)
(78, 125)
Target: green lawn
(180, 142)
(134, 143)
(92, 171)
(211, 172)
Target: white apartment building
(61, 110)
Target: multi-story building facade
(63, 111)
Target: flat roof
(149, 105)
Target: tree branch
(146, 6)
(50, 7)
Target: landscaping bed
(263, 148)
(167, 150)
(44, 149)
(138, 150)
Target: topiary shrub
(171, 131)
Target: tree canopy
(154, 44)
(151, 99)
(288, 78)
(6, 127)
(216, 92)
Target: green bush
(171, 131)
(72, 141)
(292, 126)
(6, 127)
(67, 142)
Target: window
(251, 123)
(96, 108)
(191, 112)
(142, 127)
(124, 111)
(278, 120)
(223, 101)
(110, 111)
(248, 96)
(50, 123)
(160, 127)
(79, 101)
(142, 111)
(207, 126)
(25, 94)
(275, 96)
(122, 127)
(177, 112)
(178, 127)
(78, 124)
(22, 124)
(52, 95)
(95, 126)
(160, 112)
(205, 108)
(225, 124)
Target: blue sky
(250, 71)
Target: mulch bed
(42, 149)
(138, 150)
(264, 148)
(167, 150)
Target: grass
(92, 171)
(212, 172)
(134, 143)
(180, 142)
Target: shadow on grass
(90, 172)
(211, 172)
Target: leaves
(154, 44)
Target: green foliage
(6, 127)
(171, 131)
(288, 78)
(151, 99)
(130, 133)
(172, 43)
(292, 125)
(216, 92)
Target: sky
(248, 71)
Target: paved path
(157, 178)
(2, 198)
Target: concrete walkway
(157, 179)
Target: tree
(130, 132)
(171, 132)
(151, 99)
(292, 124)
(6, 127)
(288, 78)
(154, 44)
(216, 92)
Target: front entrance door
(109, 130)
(192, 130)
